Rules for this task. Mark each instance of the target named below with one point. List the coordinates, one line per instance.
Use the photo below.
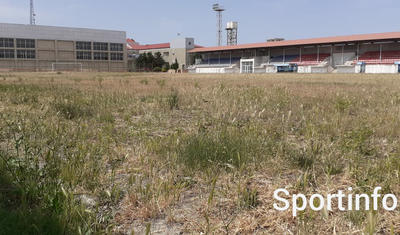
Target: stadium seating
(221, 61)
(311, 59)
(279, 59)
(374, 57)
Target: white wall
(346, 69)
(317, 69)
(259, 69)
(180, 42)
(381, 68)
(271, 69)
(304, 69)
(210, 70)
(232, 70)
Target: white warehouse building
(47, 48)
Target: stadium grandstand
(365, 53)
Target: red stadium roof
(312, 41)
(133, 45)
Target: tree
(175, 65)
(158, 60)
(141, 61)
(148, 62)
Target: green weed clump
(359, 140)
(225, 148)
(248, 198)
(173, 100)
(144, 82)
(41, 167)
(73, 107)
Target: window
(165, 54)
(117, 56)
(26, 54)
(116, 47)
(25, 43)
(100, 46)
(7, 53)
(100, 56)
(6, 42)
(84, 46)
(83, 55)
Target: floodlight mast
(219, 9)
(32, 15)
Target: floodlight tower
(232, 33)
(219, 9)
(32, 16)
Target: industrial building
(367, 53)
(176, 49)
(49, 48)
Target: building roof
(133, 45)
(45, 32)
(312, 41)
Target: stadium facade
(367, 53)
(49, 48)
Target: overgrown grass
(115, 153)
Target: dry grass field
(125, 153)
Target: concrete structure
(231, 33)
(49, 48)
(177, 49)
(367, 53)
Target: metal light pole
(219, 9)
(32, 15)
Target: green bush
(157, 69)
(175, 65)
(165, 67)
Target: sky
(159, 21)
